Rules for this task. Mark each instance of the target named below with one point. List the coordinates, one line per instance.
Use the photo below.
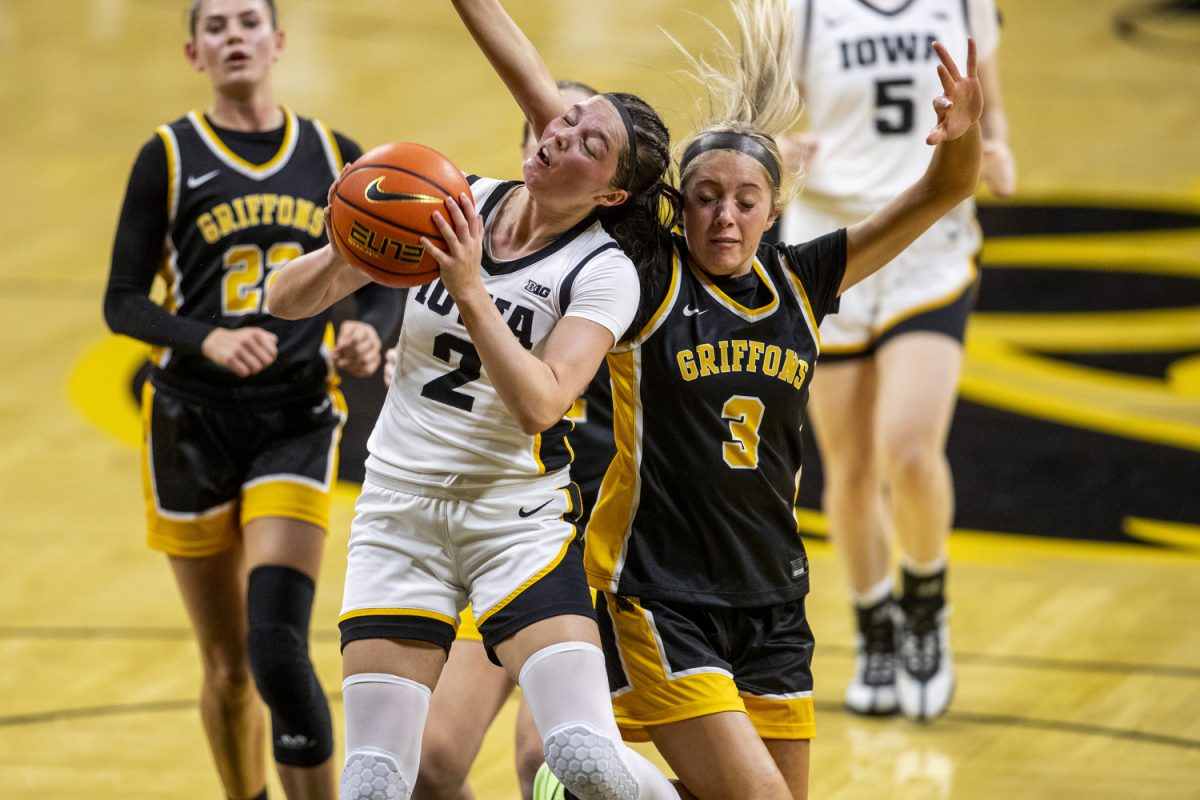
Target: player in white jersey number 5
(891, 356)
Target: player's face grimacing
(578, 154)
(235, 42)
(727, 207)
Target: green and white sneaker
(547, 786)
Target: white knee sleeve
(566, 688)
(385, 719)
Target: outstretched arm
(515, 60)
(308, 285)
(951, 177)
(999, 170)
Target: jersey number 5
(469, 366)
(744, 415)
(895, 105)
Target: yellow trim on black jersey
(168, 270)
(809, 317)
(537, 454)
(291, 134)
(748, 314)
(660, 313)
(616, 503)
(332, 151)
(171, 146)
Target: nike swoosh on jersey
(376, 194)
(688, 311)
(522, 513)
(199, 180)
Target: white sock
(874, 595)
(386, 712)
(566, 684)
(923, 569)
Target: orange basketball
(384, 205)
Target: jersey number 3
(744, 415)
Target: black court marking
(1033, 723)
(118, 634)
(828, 707)
(825, 707)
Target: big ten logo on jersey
(519, 318)
(385, 247)
(533, 287)
(253, 210)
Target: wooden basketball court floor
(1079, 661)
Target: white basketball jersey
(442, 415)
(868, 72)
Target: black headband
(630, 134)
(738, 142)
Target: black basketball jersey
(232, 225)
(708, 402)
(591, 439)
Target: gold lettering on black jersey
(270, 201)
(253, 210)
(741, 355)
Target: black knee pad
(280, 605)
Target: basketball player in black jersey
(242, 412)
(693, 544)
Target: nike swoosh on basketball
(376, 194)
(193, 180)
(688, 311)
(522, 513)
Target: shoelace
(920, 645)
(879, 650)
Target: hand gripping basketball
(383, 204)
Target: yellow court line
(1154, 330)
(1179, 535)
(1122, 405)
(970, 546)
(1169, 253)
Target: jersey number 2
(243, 288)
(443, 389)
(744, 415)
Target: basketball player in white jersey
(891, 357)
(468, 495)
(472, 690)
